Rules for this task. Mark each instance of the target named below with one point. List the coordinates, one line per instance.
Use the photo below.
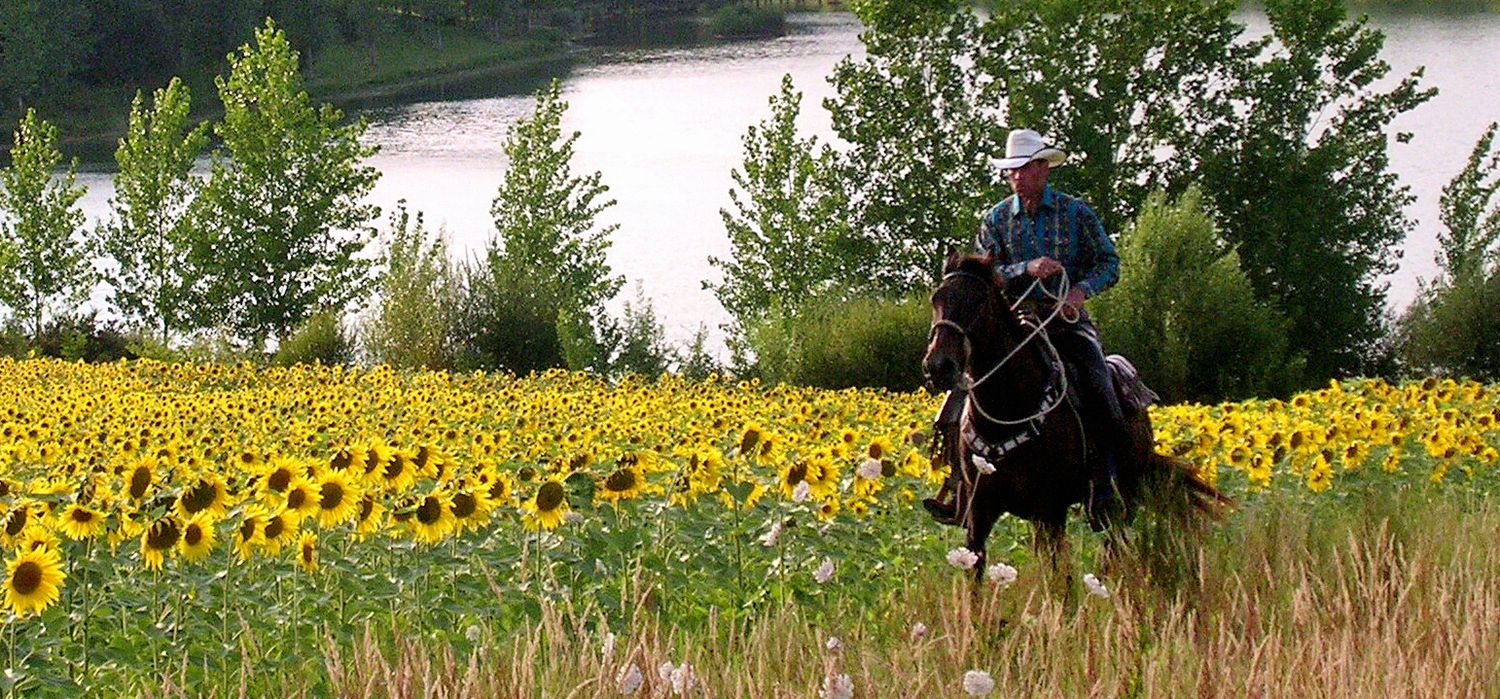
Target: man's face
(1030, 179)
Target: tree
(1301, 181)
(1453, 327)
(40, 47)
(412, 324)
(547, 235)
(1187, 314)
(919, 119)
(40, 224)
(788, 223)
(151, 230)
(285, 223)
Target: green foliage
(1301, 184)
(1453, 327)
(918, 116)
(642, 348)
(320, 340)
(418, 295)
(505, 323)
(697, 363)
(151, 231)
(788, 222)
(834, 343)
(548, 238)
(40, 48)
(1471, 212)
(74, 338)
(1187, 316)
(46, 260)
(745, 20)
(285, 222)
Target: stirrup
(942, 512)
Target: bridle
(965, 384)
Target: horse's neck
(1017, 388)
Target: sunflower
(159, 540)
(32, 580)
(278, 529)
(139, 478)
(302, 497)
(398, 473)
(432, 519)
(280, 473)
(338, 499)
(307, 552)
(624, 483)
(207, 495)
(471, 506)
(248, 534)
(370, 517)
(198, 537)
(545, 510)
(80, 522)
(37, 536)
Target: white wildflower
(918, 631)
(825, 571)
(473, 633)
(629, 679)
(837, 687)
(683, 679)
(978, 683)
(962, 558)
(1001, 574)
(609, 646)
(770, 538)
(1096, 588)
(664, 671)
(802, 492)
(572, 517)
(833, 644)
(984, 466)
(869, 469)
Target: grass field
(230, 530)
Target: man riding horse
(1051, 238)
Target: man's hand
(1043, 267)
(1073, 303)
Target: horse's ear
(954, 259)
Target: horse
(1023, 448)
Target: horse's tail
(1177, 476)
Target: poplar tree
(47, 258)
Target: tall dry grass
(1386, 595)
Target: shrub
(503, 323)
(642, 344)
(411, 325)
(832, 343)
(741, 20)
(1454, 329)
(72, 338)
(320, 340)
(1186, 314)
(697, 363)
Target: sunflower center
(424, 455)
(549, 497)
(140, 479)
(27, 578)
(295, 499)
(395, 467)
(620, 481)
(464, 505)
(81, 516)
(342, 460)
(279, 480)
(797, 473)
(162, 535)
(332, 495)
(430, 510)
(198, 498)
(194, 535)
(366, 506)
(247, 529)
(15, 522)
(274, 528)
(497, 489)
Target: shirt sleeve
(1105, 268)
(987, 242)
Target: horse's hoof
(941, 511)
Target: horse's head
(966, 308)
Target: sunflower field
(226, 523)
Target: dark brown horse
(1031, 446)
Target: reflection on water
(664, 126)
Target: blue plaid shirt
(1063, 228)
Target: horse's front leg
(980, 522)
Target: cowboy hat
(1024, 146)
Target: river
(664, 125)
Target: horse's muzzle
(941, 371)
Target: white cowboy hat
(1024, 146)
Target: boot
(943, 507)
(1105, 504)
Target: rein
(967, 384)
